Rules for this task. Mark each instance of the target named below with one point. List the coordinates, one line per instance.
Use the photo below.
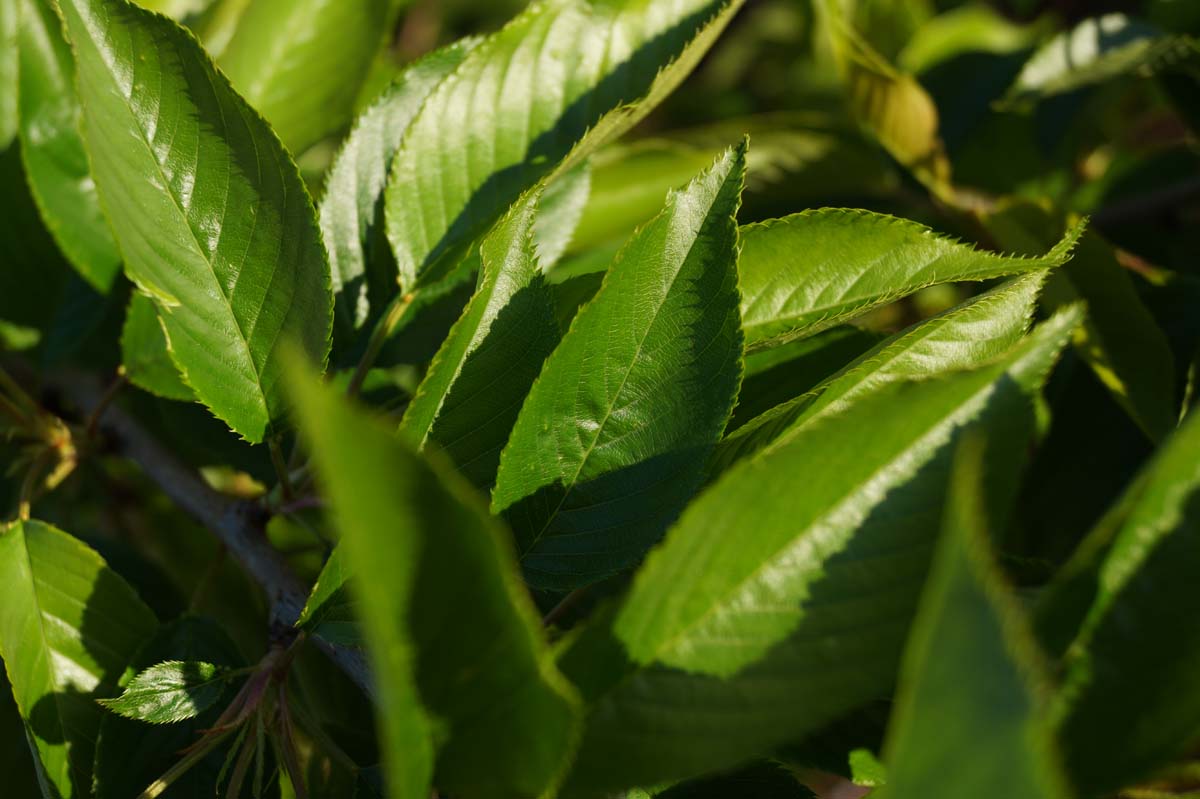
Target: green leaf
(472, 393)
(980, 329)
(804, 621)
(130, 755)
(1133, 664)
(146, 355)
(1096, 50)
(210, 213)
(969, 719)
(888, 102)
(170, 692)
(561, 209)
(10, 23)
(428, 559)
(301, 62)
(611, 442)
(55, 160)
(364, 272)
(714, 602)
(332, 610)
(1120, 338)
(518, 104)
(68, 628)
(811, 271)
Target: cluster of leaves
(617, 469)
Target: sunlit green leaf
(518, 104)
(169, 692)
(805, 622)
(611, 441)
(208, 209)
(813, 270)
(68, 628)
(968, 335)
(364, 273)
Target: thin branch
(238, 524)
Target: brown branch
(238, 524)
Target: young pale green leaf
(611, 441)
(1133, 665)
(518, 104)
(826, 612)
(55, 161)
(121, 774)
(302, 62)
(889, 103)
(969, 335)
(813, 270)
(146, 355)
(1096, 50)
(170, 692)
(68, 628)
(714, 602)
(10, 23)
(427, 559)
(970, 715)
(473, 391)
(210, 213)
(364, 273)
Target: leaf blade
(807, 272)
(169, 692)
(228, 244)
(505, 716)
(622, 367)
(68, 628)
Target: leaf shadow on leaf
(478, 430)
(843, 653)
(70, 714)
(624, 84)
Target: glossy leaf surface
(68, 628)
(210, 212)
(712, 601)
(519, 102)
(427, 559)
(810, 271)
(169, 692)
(636, 395)
(55, 160)
(364, 273)
(823, 639)
(969, 335)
